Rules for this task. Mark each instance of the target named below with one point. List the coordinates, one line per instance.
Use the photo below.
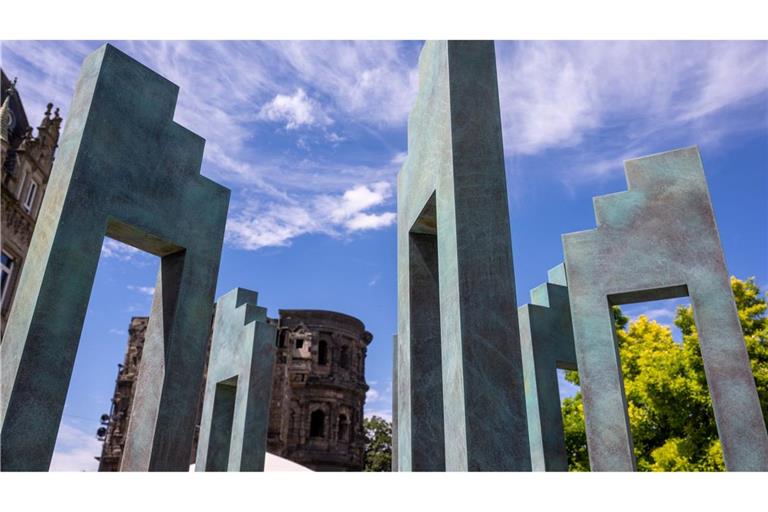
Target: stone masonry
(318, 393)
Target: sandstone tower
(318, 392)
(26, 163)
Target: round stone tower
(319, 390)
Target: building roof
(19, 123)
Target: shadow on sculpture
(126, 170)
(235, 418)
(546, 342)
(460, 395)
(658, 241)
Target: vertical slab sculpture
(461, 403)
(546, 340)
(126, 170)
(235, 418)
(656, 241)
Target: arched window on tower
(322, 353)
(317, 424)
(281, 338)
(343, 428)
(344, 357)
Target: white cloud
(363, 221)
(334, 138)
(275, 224)
(75, 449)
(399, 158)
(146, 290)
(556, 94)
(371, 395)
(113, 249)
(297, 110)
(357, 199)
(367, 80)
(659, 313)
(566, 389)
(378, 404)
(272, 226)
(298, 84)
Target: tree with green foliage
(668, 403)
(378, 444)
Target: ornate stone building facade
(318, 392)
(116, 422)
(26, 163)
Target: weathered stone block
(124, 169)
(460, 400)
(235, 419)
(657, 241)
(546, 340)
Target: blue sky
(310, 135)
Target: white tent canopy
(275, 463)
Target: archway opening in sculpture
(95, 409)
(224, 400)
(671, 420)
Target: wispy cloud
(565, 388)
(371, 395)
(399, 158)
(145, 290)
(275, 224)
(378, 403)
(602, 102)
(234, 92)
(295, 111)
(659, 314)
(113, 249)
(614, 99)
(75, 449)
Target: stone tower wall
(327, 382)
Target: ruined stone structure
(26, 165)
(116, 422)
(318, 392)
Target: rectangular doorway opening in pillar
(94, 423)
(668, 402)
(221, 425)
(574, 428)
(426, 352)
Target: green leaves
(378, 444)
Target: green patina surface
(546, 341)
(124, 169)
(460, 391)
(235, 419)
(655, 241)
(394, 403)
